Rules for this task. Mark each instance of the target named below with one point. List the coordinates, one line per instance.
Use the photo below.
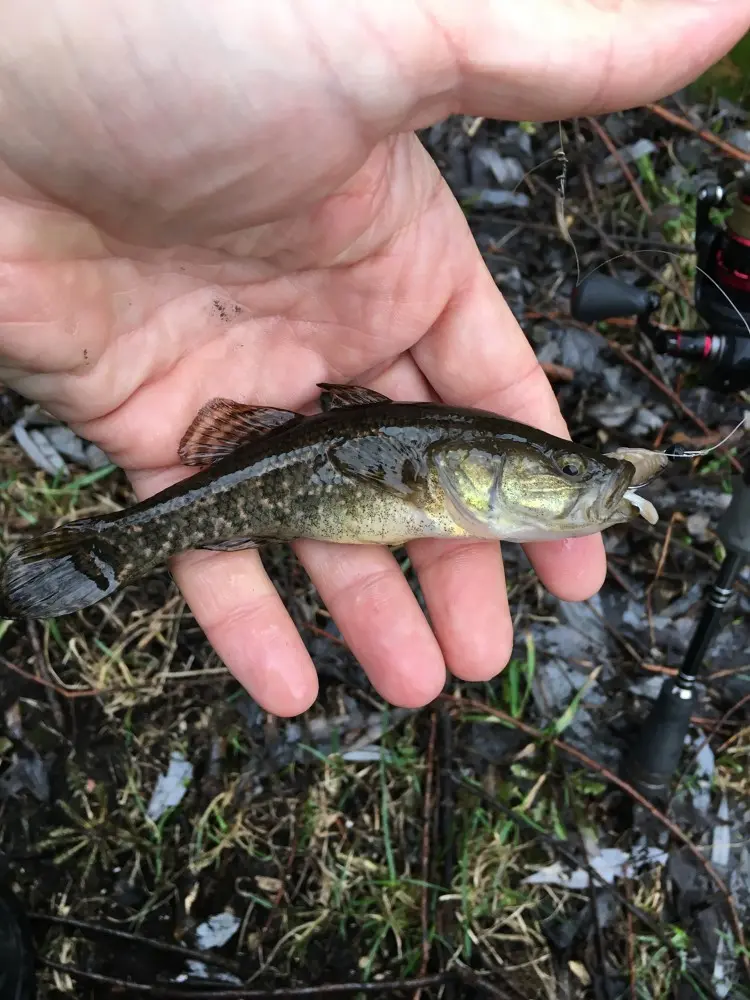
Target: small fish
(365, 469)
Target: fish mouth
(622, 497)
(617, 487)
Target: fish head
(527, 491)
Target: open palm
(179, 240)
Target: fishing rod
(723, 355)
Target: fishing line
(561, 178)
(559, 156)
(679, 452)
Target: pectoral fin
(389, 462)
(335, 397)
(222, 425)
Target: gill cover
(471, 488)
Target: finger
(543, 59)
(368, 596)
(505, 377)
(380, 619)
(464, 587)
(572, 569)
(244, 619)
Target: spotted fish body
(364, 470)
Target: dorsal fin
(222, 425)
(335, 397)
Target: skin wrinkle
(355, 596)
(88, 371)
(123, 147)
(109, 135)
(458, 56)
(418, 104)
(341, 579)
(253, 612)
(38, 185)
(480, 394)
(153, 95)
(458, 551)
(472, 654)
(531, 374)
(286, 691)
(608, 62)
(85, 370)
(386, 252)
(567, 88)
(155, 374)
(357, 122)
(430, 205)
(52, 275)
(373, 592)
(377, 192)
(62, 233)
(289, 401)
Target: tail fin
(59, 572)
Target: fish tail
(61, 571)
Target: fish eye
(571, 465)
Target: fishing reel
(721, 295)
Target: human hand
(228, 199)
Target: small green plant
(517, 680)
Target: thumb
(547, 59)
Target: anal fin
(231, 545)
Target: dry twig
(715, 140)
(137, 939)
(602, 133)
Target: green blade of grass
(570, 712)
